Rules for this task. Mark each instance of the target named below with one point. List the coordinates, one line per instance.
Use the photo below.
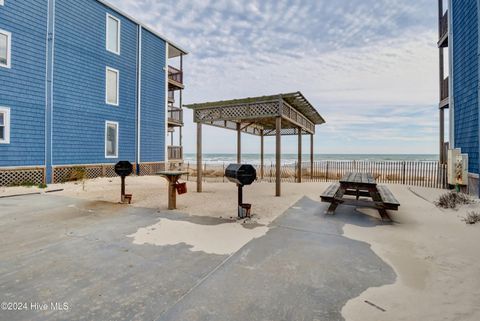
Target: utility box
(457, 167)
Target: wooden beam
(199, 158)
(311, 156)
(299, 163)
(262, 150)
(278, 157)
(239, 143)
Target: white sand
(215, 239)
(436, 257)
(218, 199)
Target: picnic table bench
(360, 185)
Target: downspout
(139, 96)
(49, 91)
(451, 117)
(166, 105)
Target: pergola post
(199, 158)
(278, 157)
(311, 156)
(299, 165)
(262, 150)
(239, 143)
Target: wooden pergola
(276, 115)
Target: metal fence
(414, 173)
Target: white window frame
(106, 86)
(108, 122)
(118, 33)
(6, 112)
(9, 48)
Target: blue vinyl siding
(153, 129)
(23, 85)
(465, 79)
(80, 61)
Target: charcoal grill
(241, 174)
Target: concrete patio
(56, 249)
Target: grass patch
(23, 184)
(453, 199)
(472, 218)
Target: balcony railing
(175, 115)
(444, 94)
(175, 74)
(175, 152)
(171, 97)
(443, 27)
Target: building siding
(23, 85)
(465, 79)
(153, 91)
(80, 61)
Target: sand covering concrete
(434, 253)
(219, 239)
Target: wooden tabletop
(358, 178)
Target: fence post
(404, 173)
(296, 174)
(326, 173)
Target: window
(4, 125)
(111, 139)
(5, 48)
(112, 86)
(113, 34)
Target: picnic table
(360, 185)
(172, 177)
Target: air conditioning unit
(457, 167)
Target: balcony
(175, 153)
(175, 78)
(175, 116)
(444, 93)
(171, 97)
(443, 31)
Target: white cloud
(369, 66)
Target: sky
(370, 67)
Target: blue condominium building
(83, 85)
(459, 80)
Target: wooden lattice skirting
(151, 168)
(22, 176)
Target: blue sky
(370, 67)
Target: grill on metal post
(124, 169)
(241, 174)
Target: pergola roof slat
(294, 108)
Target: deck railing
(175, 74)
(171, 97)
(175, 115)
(175, 152)
(412, 173)
(444, 92)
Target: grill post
(240, 194)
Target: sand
(433, 252)
(199, 237)
(218, 199)
(436, 258)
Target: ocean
(292, 158)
